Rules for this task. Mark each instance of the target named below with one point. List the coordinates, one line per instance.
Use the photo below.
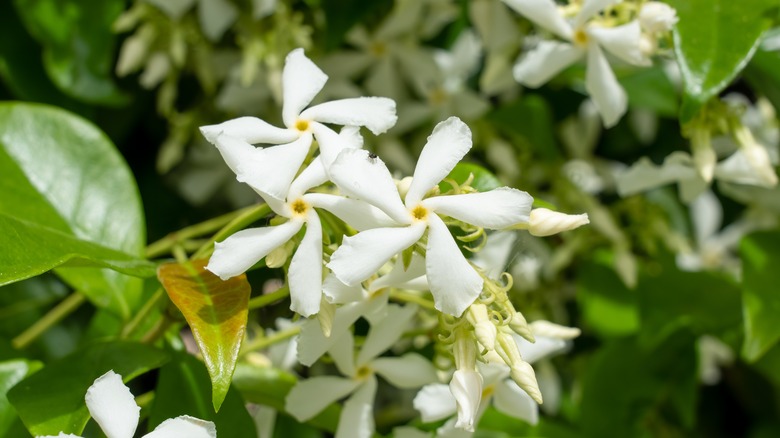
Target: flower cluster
(396, 233)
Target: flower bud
(325, 317)
(278, 256)
(485, 330)
(523, 374)
(544, 222)
(655, 17)
(551, 330)
(403, 186)
(519, 325)
(466, 387)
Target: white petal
(446, 146)
(312, 176)
(549, 385)
(544, 346)
(357, 417)
(237, 253)
(496, 209)
(545, 61)
(309, 397)
(112, 406)
(408, 371)
(339, 293)
(271, 170)
(622, 41)
(384, 334)
(357, 214)
(343, 354)
(375, 113)
(607, 94)
(644, 175)
(61, 435)
(400, 275)
(249, 129)
(591, 8)
(466, 387)
(435, 402)
(544, 13)
(513, 401)
(454, 283)
(301, 81)
(363, 176)
(361, 255)
(184, 427)
(305, 274)
(331, 143)
(234, 151)
(706, 216)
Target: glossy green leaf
(760, 297)
(650, 88)
(61, 173)
(484, 180)
(52, 400)
(11, 373)
(78, 44)
(183, 389)
(216, 311)
(713, 41)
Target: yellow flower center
(420, 213)
(378, 48)
(581, 37)
(488, 391)
(363, 372)
(299, 207)
(302, 125)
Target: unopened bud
(655, 17)
(551, 330)
(759, 160)
(544, 222)
(523, 374)
(325, 317)
(466, 387)
(519, 325)
(403, 186)
(278, 256)
(704, 157)
(485, 330)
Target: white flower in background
(453, 281)
(657, 17)
(273, 169)
(243, 249)
(713, 354)
(113, 408)
(437, 402)
(584, 37)
(309, 397)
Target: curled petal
(435, 402)
(271, 170)
(112, 406)
(622, 41)
(544, 13)
(375, 113)
(361, 255)
(513, 401)
(446, 146)
(466, 387)
(309, 397)
(408, 371)
(364, 176)
(234, 151)
(301, 81)
(454, 283)
(249, 129)
(184, 427)
(496, 209)
(237, 253)
(331, 144)
(603, 87)
(545, 61)
(357, 214)
(357, 417)
(305, 274)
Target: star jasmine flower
(243, 249)
(114, 409)
(309, 397)
(271, 170)
(453, 281)
(584, 37)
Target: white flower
(243, 249)
(309, 397)
(656, 17)
(584, 40)
(545, 222)
(271, 170)
(113, 407)
(453, 281)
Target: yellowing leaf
(216, 311)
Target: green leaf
(52, 400)
(609, 308)
(11, 373)
(183, 389)
(216, 311)
(484, 180)
(763, 74)
(62, 173)
(650, 88)
(78, 45)
(713, 41)
(530, 121)
(760, 297)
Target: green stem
(264, 300)
(139, 317)
(164, 245)
(399, 295)
(264, 342)
(246, 217)
(55, 315)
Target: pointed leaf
(61, 172)
(52, 400)
(216, 311)
(11, 373)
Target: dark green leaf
(60, 172)
(78, 45)
(763, 74)
(216, 311)
(651, 89)
(183, 388)
(530, 121)
(713, 41)
(760, 297)
(52, 400)
(609, 308)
